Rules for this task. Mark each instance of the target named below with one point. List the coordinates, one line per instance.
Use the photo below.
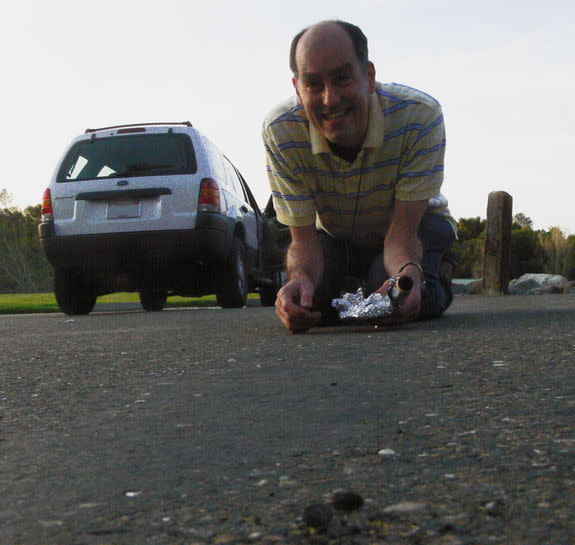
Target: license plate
(123, 209)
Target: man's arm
(420, 178)
(294, 205)
(304, 270)
(402, 246)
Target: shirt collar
(375, 129)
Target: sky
(503, 70)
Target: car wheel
(74, 292)
(232, 291)
(268, 294)
(153, 300)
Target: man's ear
(294, 82)
(371, 76)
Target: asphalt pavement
(210, 426)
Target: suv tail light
(46, 210)
(209, 200)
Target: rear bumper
(209, 242)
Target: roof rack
(186, 123)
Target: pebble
(346, 500)
(495, 508)
(132, 493)
(404, 508)
(224, 538)
(318, 515)
(387, 452)
(51, 523)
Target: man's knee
(436, 297)
(436, 235)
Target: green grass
(30, 303)
(19, 303)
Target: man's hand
(410, 306)
(402, 250)
(304, 269)
(293, 305)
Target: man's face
(333, 86)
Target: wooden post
(496, 259)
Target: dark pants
(347, 267)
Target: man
(355, 169)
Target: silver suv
(154, 208)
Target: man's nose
(330, 96)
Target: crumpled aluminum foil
(354, 306)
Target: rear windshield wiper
(141, 169)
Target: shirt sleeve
(421, 169)
(291, 189)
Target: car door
(245, 210)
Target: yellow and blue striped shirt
(401, 159)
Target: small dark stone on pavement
(108, 531)
(346, 500)
(318, 515)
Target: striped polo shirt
(401, 158)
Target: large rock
(466, 286)
(531, 283)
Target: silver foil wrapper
(354, 306)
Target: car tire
(268, 294)
(232, 291)
(75, 293)
(153, 300)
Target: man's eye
(342, 78)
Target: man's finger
(306, 300)
(303, 321)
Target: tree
(569, 271)
(527, 255)
(520, 220)
(471, 228)
(5, 198)
(556, 247)
(468, 249)
(14, 263)
(23, 267)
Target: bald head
(326, 33)
(333, 81)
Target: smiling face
(333, 86)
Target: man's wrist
(411, 267)
(299, 276)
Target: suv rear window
(129, 156)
